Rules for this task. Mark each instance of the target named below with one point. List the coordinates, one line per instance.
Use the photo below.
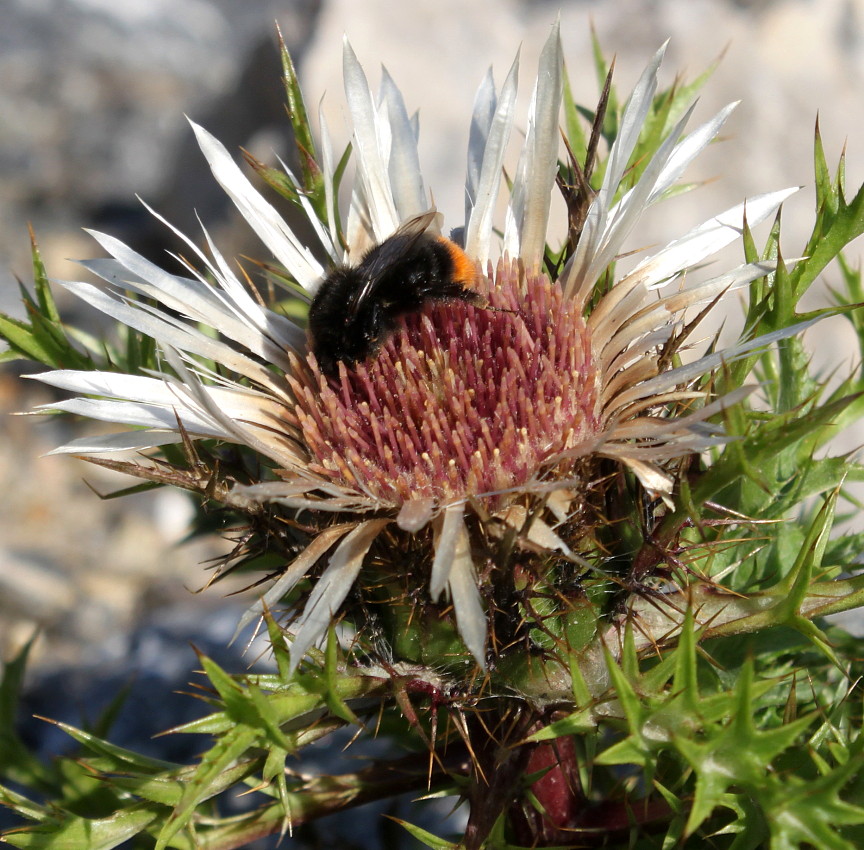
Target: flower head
(473, 415)
(462, 401)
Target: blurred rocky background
(92, 98)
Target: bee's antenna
(498, 309)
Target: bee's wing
(392, 249)
(418, 225)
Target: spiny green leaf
(845, 549)
(168, 788)
(75, 833)
(826, 197)
(274, 772)
(267, 718)
(796, 585)
(279, 647)
(237, 701)
(23, 806)
(750, 826)
(808, 813)
(577, 723)
(601, 70)
(332, 664)
(738, 754)
(44, 296)
(118, 758)
(297, 114)
(681, 95)
(43, 339)
(581, 691)
(287, 707)
(686, 682)
(427, 838)
(756, 455)
(832, 233)
(26, 341)
(626, 694)
(205, 782)
(276, 179)
(629, 659)
(574, 133)
(16, 760)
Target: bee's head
(336, 336)
(363, 331)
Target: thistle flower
(474, 418)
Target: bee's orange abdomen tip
(464, 268)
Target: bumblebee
(357, 307)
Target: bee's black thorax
(357, 307)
